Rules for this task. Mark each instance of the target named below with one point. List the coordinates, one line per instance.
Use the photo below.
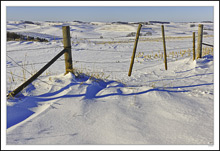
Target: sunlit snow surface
(153, 106)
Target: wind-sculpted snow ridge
(91, 111)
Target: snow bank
(86, 111)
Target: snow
(153, 106)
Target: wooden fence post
(199, 42)
(194, 41)
(164, 47)
(134, 50)
(67, 46)
(68, 62)
(31, 79)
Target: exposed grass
(159, 39)
(207, 51)
(144, 39)
(142, 57)
(93, 75)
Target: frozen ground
(153, 106)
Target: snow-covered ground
(153, 106)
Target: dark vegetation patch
(133, 34)
(11, 36)
(28, 22)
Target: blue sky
(110, 14)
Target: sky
(111, 14)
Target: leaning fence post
(194, 40)
(199, 42)
(67, 46)
(31, 79)
(134, 50)
(164, 47)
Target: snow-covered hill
(153, 106)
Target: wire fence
(89, 62)
(93, 62)
(106, 64)
(75, 50)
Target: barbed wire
(36, 79)
(105, 71)
(145, 67)
(41, 48)
(101, 62)
(107, 50)
(81, 61)
(18, 64)
(167, 49)
(76, 61)
(15, 74)
(114, 71)
(26, 69)
(103, 50)
(30, 64)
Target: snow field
(153, 106)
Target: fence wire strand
(30, 64)
(15, 74)
(26, 69)
(37, 79)
(41, 48)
